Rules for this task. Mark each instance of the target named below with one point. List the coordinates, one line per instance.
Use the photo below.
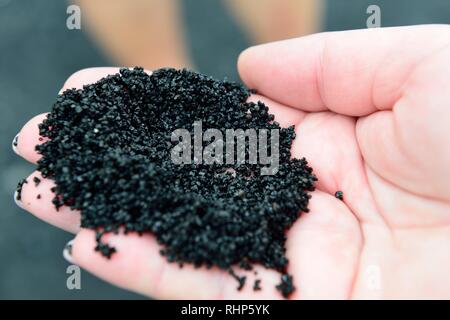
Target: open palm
(372, 116)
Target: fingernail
(15, 143)
(17, 199)
(67, 252)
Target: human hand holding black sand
(371, 116)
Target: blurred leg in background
(151, 33)
(272, 20)
(147, 33)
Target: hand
(372, 116)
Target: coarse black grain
(37, 181)
(108, 152)
(19, 189)
(257, 285)
(286, 286)
(241, 280)
(339, 195)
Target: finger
(138, 266)
(352, 72)
(37, 198)
(284, 115)
(28, 138)
(323, 248)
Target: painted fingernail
(17, 199)
(15, 143)
(67, 252)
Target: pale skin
(372, 117)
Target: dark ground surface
(38, 52)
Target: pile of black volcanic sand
(109, 153)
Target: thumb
(351, 72)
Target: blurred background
(41, 44)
